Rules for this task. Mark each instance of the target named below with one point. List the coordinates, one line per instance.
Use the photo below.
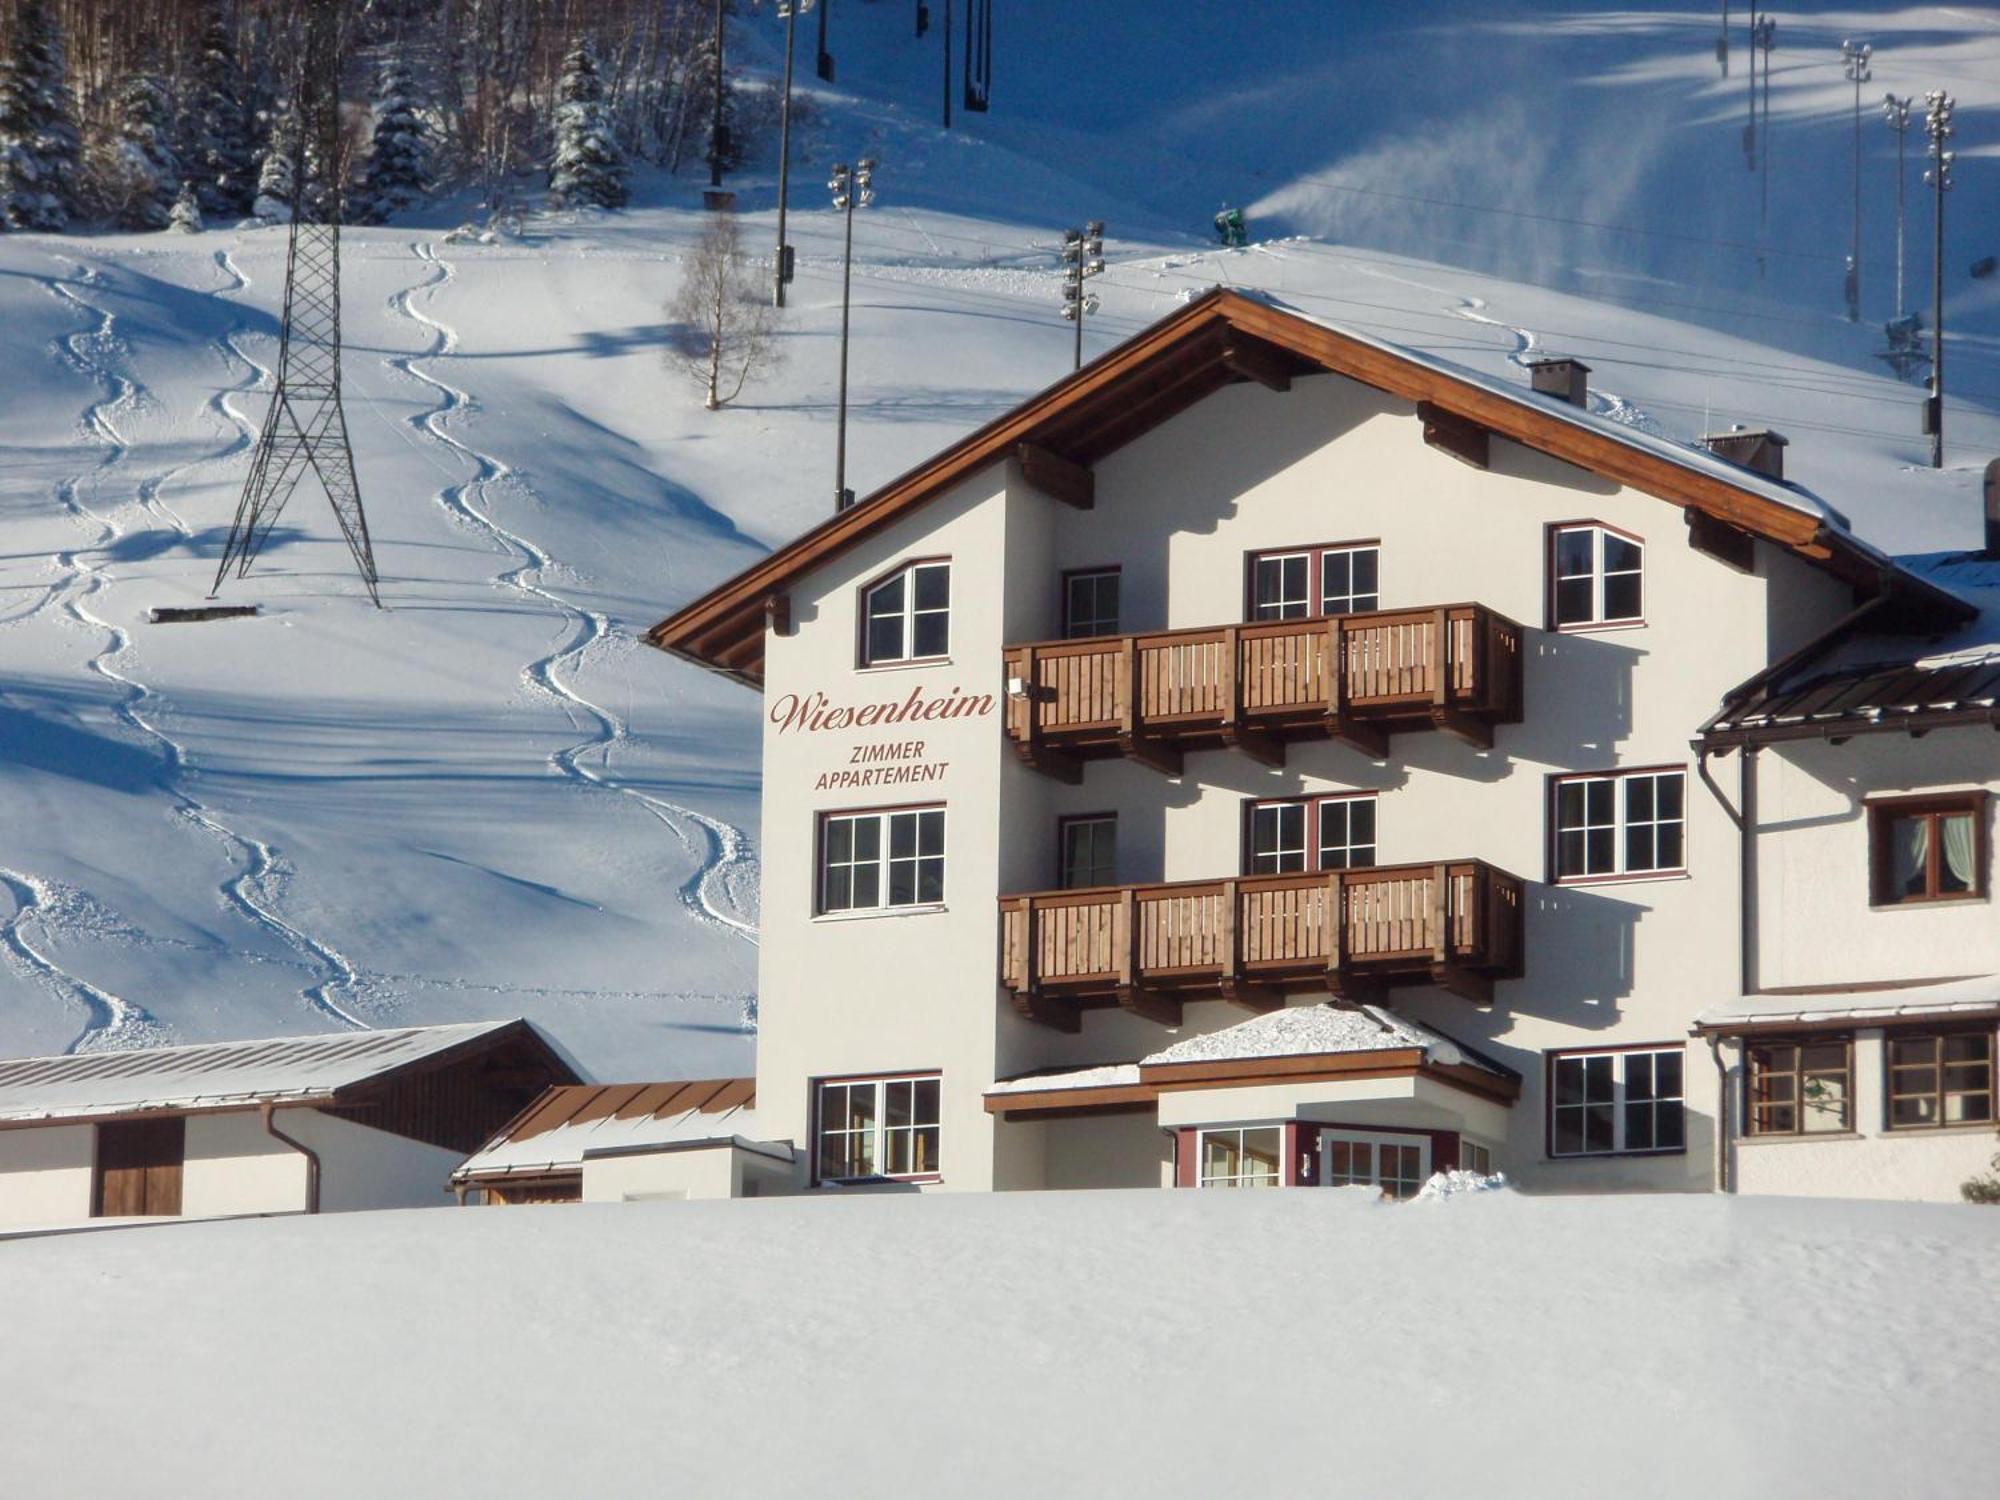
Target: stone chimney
(1757, 448)
(1560, 376)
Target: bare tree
(727, 326)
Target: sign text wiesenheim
(815, 713)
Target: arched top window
(907, 615)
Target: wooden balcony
(1356, 678)
(1147, 948)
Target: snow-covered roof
(1957, 997)
(1105, 1076)
(1317, 1030)
(214, 1075)
(568, 1125)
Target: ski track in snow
(722, 849)
(252, 890)
(109, 1020)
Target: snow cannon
(1230, 229)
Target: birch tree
(727, 327)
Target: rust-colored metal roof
(556, 1132)
(580, 1103)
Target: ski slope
(487, 799)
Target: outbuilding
(359, 1119)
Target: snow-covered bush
(588, 168)
(1455, 1183)
(274, 172)
(1984, 1189)
(40, 149)
(186, 215)
(135, 175)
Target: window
(1090, 603)
(1250, 1157)
(1397, 1164)
(1473, 1157)
(881, 859)
(1801, 1087)
(1607, 1103)
(907, 616)
(1596, 577)
(1089, 847)
(1621, 823)
(1309, 582)
(1342, 834)
(878, 1127)
(1940, 1080)
(1928, 848)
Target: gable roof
(237, 1075)
(1225, 336)
(571, 1122)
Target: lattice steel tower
(305, 427)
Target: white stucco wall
(720, 1171)
(234, 1167)
(45, 1174)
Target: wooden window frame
(881, 1081)
(1936, 806)
(1618, 1101)
(1940, 1091)
(882, 907)
(1108, 570)
(1311, 803)
(1553, 852)
(1375, 1140)
(1797, 1072)
(1315, 555)
(866, 663)
(1550, 541)
(1203, 1132)
(1063, 826)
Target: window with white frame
(1090, 603)
(1620, 823)
(877, 1127)
(1609, 1103)
(1310, 833)
(1303, 583)
(1089, 850)
(1398, 1165)
(1249, 1156)
(907, 616)
(1596, 577)
(877, 860)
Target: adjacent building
(1270, 756)
(360, 1119)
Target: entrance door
(138, 1168)
(1397, 1164)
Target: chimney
(1560, 376)
(1993, 509)
(1757, 448)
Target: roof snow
(218, 1074)
(1107, 1076)
(1979, 995)
(1312, 1030)
(571, 1124)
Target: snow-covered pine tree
(274, 172)
(136, 174)
(221, 158)
(186, 216)
(588, 169)
(40, 149)
(399, 164)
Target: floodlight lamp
(1096, 229)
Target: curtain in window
(1910, 848)
(1958, 851)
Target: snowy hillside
(487, 799)
(1180, 1344)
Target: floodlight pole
(1854, 61)
(1722, 41)
(791, 10)
(851, 190)
(1938, 127)
(1083, 257)
(947, 62)
(1896, 112)
(1765, 38)
(715, 123)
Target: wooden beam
(1160, 756)
(1367, 739)
(1259, 746)
(1047, 1010)
(1256, 998)
(1721, 541)
(1060, 764)
(1462, 726)
(1344, 984)
(1254, 360)
(1467, 984)
(778, 614)
(1448, 432)
(1057, 477)
(1149, 1005)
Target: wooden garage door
(138, 1167)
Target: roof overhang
(1224, 337)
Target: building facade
(1269, 756)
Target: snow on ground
(488, 799)
(1049, 1344)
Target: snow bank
(1059, 1344)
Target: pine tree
(274, 173)
(399, 156)
(186, 216)
(589, 169)
(137, 177)
(40, 150)
(221, 159)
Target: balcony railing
(1356, 678)
(1351, 932)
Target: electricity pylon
(305, 427)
